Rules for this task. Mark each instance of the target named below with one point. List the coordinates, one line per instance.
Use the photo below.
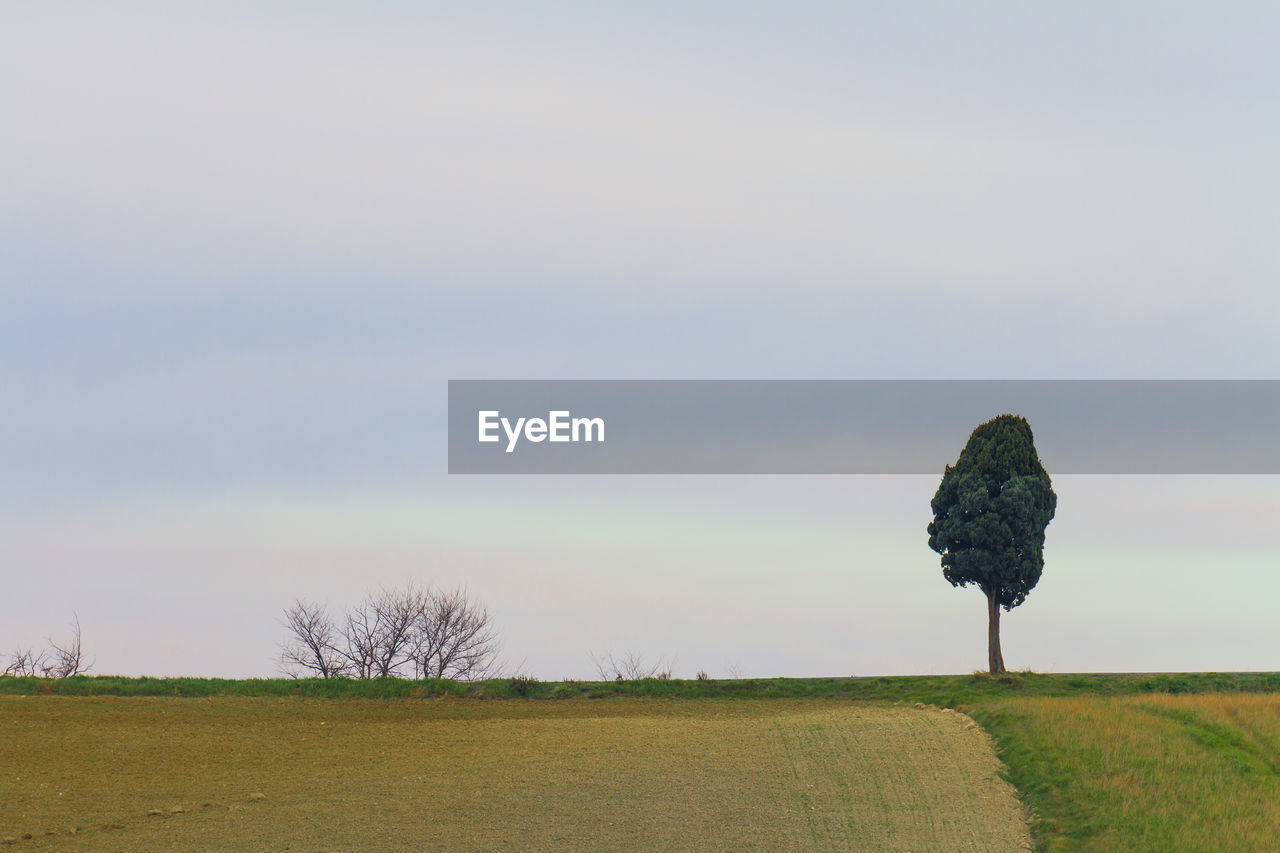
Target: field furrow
(114, 773)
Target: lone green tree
(989, 518)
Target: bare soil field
(121, 773)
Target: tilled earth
(115, 773)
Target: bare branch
(380, 632)
(26, 662)
(60, 660)
(361, 639)
(67, 659)
(391, 633)
(454, 638)
(310, 648)
(630, 667)
(398, 612)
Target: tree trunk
(994, 658)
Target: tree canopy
(989, 517)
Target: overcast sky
(243, 247)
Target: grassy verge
(943, 690)
(1160, 772)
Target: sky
(243, 248)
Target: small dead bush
(520, 684)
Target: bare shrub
(630, 667)
(454, 638)
(67, 659)
(27, 662)
(60, 660)
(311, 647)
(380, 633)
(426, 633)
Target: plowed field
(112, 773)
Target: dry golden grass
(1159, 772)
(132, 773)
